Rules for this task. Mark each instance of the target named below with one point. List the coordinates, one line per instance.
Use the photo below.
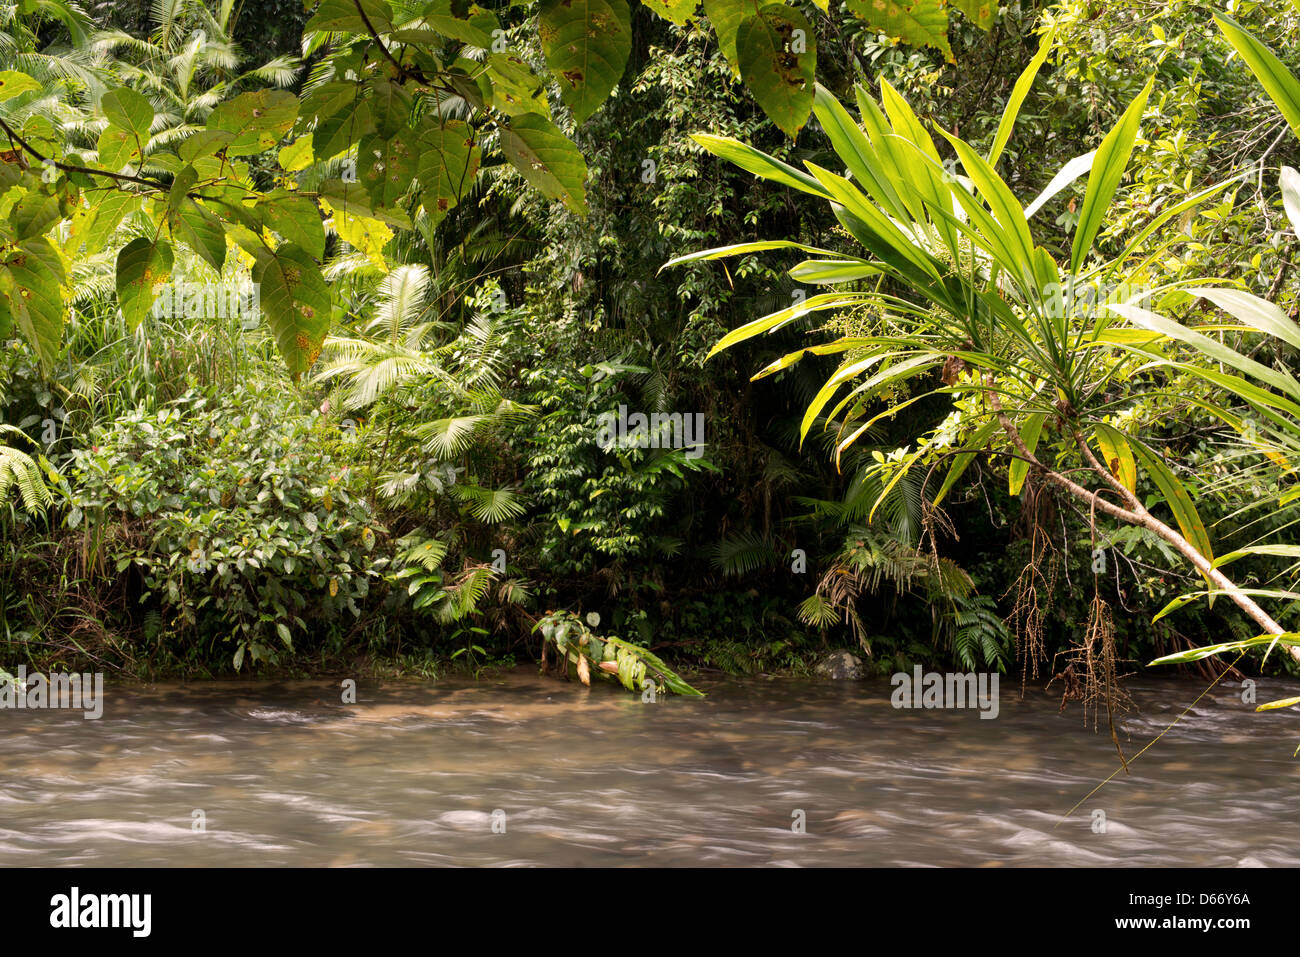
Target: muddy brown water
(416, 772)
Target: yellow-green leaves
(1259, 314)
(777, 54)
(296, 301)
(341, 115)
(206, 143)
(547, 159)
(918, 22)
(781, 317)
(1209, 347)
(117, 149)
(194, 225)
(1116, 455)
(355, 199)
(142, 265)
(1107, 169)
(13, 83)
(586, 43)
(108, 209)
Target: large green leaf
(201, 231)
(726, 16)
(1276, 79)
(296, 301)
(257, 119)
(110, 207)
(342, 117)
(918, 22)
(128, 110)
(474, 27)
(777, 51)
(449, 161)
(35, 212)
(355, 199)
(547, 159)
(386, 167)
(194, 225)
(142, 265)
(204, 143)
(296, 218)
(1107, 170)
(586, 43)
(511, 86)
(982, 13)
(117, 149)
(390, 105)
(31, 297)
(350, 16)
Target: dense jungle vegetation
(314, 317)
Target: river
(517, 769)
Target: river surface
(517, 769)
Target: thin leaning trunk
(1135, 513)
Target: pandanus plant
(960, 297)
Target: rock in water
(841, 666)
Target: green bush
(235, 516)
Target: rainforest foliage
(425, 332)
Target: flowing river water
(284, 774)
